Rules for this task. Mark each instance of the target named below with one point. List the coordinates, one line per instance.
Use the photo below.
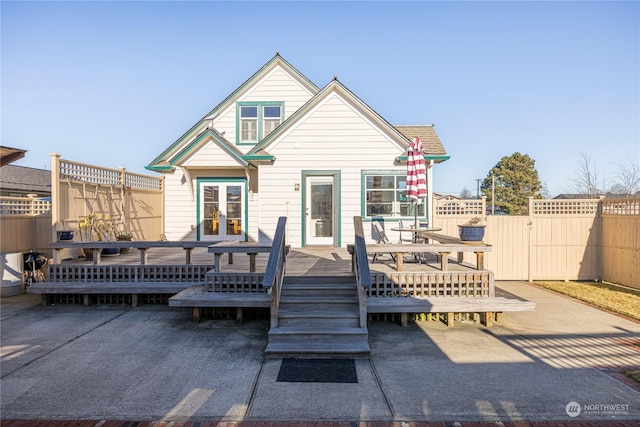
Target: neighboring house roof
(25, 180)
(430, 141)
(438, 196)
(578, 196)
(9, 155)
(162, 162)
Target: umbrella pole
(415, 221)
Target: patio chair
(382, 239)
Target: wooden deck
(414, 288)
(320, 261)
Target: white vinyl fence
(584, 239)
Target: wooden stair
(318, 317)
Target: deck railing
(276, 266)
(361, 267)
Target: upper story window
(248, 124)
(256, 120)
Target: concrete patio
(109, 362)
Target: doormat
(318, 371)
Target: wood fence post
(530, 241)
(55, 203)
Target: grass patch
(610, 297)
(634, 375)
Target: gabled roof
(160, 162)
(334, 86)
(22, 179)
(200, 141)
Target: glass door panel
(221, 211)
(320, 210)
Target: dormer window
(256, 120)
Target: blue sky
(115, 83)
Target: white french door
(221, 210)
(319, 210)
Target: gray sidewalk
(153, 363)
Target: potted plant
(472, 231)
(65, 233)
(124, 237)
(100, 227)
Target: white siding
(278, 85)
(180, 210)
(209, 155)
(334, 136)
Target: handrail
(363, 274)
(276, 266)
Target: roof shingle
(427, 134)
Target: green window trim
(260, 118)
(337, 175)
(384, 191)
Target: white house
(281, 146)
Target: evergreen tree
(516, 179)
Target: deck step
(326, 280)
(314, 290)
(318, 316)
(318, 350)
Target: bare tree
(546, 194)
(586, 178)
(466, 194)
(628, 180)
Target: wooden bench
(443, 249)
(445, 239)
(250, 248)
(485, 306)
(89, 280)
(442, 238)
(142, 245)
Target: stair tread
(319, 279)
(315, 329)
(284, 313)
(324, 347)
(318, 288)
(316, 298)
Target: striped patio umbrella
(416, 175)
